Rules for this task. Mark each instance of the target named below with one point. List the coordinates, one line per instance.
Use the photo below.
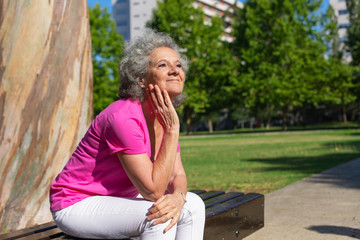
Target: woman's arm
(152, 179)
(170, 205)
(178, 181)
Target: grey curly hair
(133, 66)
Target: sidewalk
(325, 206)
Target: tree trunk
(210, 123)
(284, 118)
(187, 119)
(45, 101)
(268, 122)
(188, 125)
(303, 117)
(344, 113)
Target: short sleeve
(124, 134)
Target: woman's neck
(154, 127)
(149, 114)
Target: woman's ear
(142, 82)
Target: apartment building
(213, 8)
(342, 15)
(131, 15)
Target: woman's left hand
(165, 208)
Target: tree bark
(45, 101)
(210, 123)
(284, 118)
(268, 122)
(188, 125)
(344, 115)
(242, 124)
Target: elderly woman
(126, 179)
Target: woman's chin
(178, 100)
(174, 94)
(174, 91)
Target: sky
(103, 3)
(107, 3)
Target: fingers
(160, 208)
(163, 108)
(163, 219)
(164, 209)
(159, 98)
(161, 215)
(154, 102)
(172, 223)
(174, 215)
(167, 99)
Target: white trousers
(105, 217)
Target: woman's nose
(173, 70)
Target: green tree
(340, 85)
(210, 61)
(281, 54)
(106, 48)
(353, 45)
(353, 31)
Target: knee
(195, 204)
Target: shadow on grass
(344, 175)
(307, 165)
(337, 230)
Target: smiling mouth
(173, 80)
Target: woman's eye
(162, 65)
(179, 65)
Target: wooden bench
(231, 215)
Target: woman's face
(165, 70)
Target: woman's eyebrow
(163, 59)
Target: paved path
(325, 206)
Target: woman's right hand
(164, 109)
(165, 208)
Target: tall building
(131, 15)
(219, 8)
(342, 15)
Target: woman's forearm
(179, 183)
(163, 166)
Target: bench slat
(28, 231)
(221, 198)
(207, 195)
(49, 234)
(198, 191)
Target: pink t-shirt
(94, 168)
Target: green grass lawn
(264, 162)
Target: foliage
(341, 86)
(341, 83)
(353, 32)
(353, 45)
(281, 54)
(210, 61)
(106, 49)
